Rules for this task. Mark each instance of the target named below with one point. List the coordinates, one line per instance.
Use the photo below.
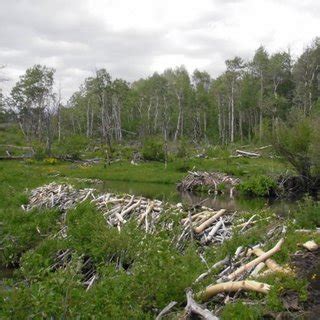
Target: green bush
(308, 214)
(182, 151)
(241, 311)
(71, 146)
(50, 161)
(153, 150)
(260, 186)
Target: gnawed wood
(233, 286)
(255, 262)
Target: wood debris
(211, 181)
(311, 245)
(248, 154)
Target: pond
(169, 193)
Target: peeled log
(209, 221)
(233, 286)
(256, 261)
(271, 264)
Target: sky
(133, 39)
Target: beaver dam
(244, 270)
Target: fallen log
(255, 262)
(270, 263)
(193, 307)
(248, 154)
(209, 221)
(233, 286)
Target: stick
(271, 264)
(256, 261)
(216, 265)
(208, 222)
(165, 310)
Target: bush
(308, 215)
(182, 151)
(153, 150)
(260, 186)
(50, 161)
(72, 146)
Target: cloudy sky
(134, 38)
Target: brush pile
(207, 226)
(200, 223)
(213, 182)
(116, 209)
(232, 275)
(60, 196)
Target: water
(169, 193)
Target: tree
(260, 65)
(29, 98)
(306, 73)
(298, 142)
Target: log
(256, 261)
(193, 307)
(233, 286)
(248, 154)
(209, 221)
(257, 269)
(271, 264)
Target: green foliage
(153, 150)
(241, 311)
(50, 161)
(182, 151)
(308, 214)
(23, 230)
(260, 186)
(280, 284)
(71, 146)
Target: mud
(307, 265)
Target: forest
(177, 196)
(241, 105)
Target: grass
(153, 272)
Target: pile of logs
(60, 196)
(116, 209)
(210, 180)
(232, 275)
(205, 225)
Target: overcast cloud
(134, 38)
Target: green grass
(154, 272)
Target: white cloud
(132, 39)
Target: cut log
(255, 262)
(233, 286)
(271, 264)
(248, 154)
(209, 221)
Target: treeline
(248, 99)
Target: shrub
(50, 161)
(182, 151)
(72, 146)
(261, 186)
(153, 150)
(308, 214)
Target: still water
(169, 193)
